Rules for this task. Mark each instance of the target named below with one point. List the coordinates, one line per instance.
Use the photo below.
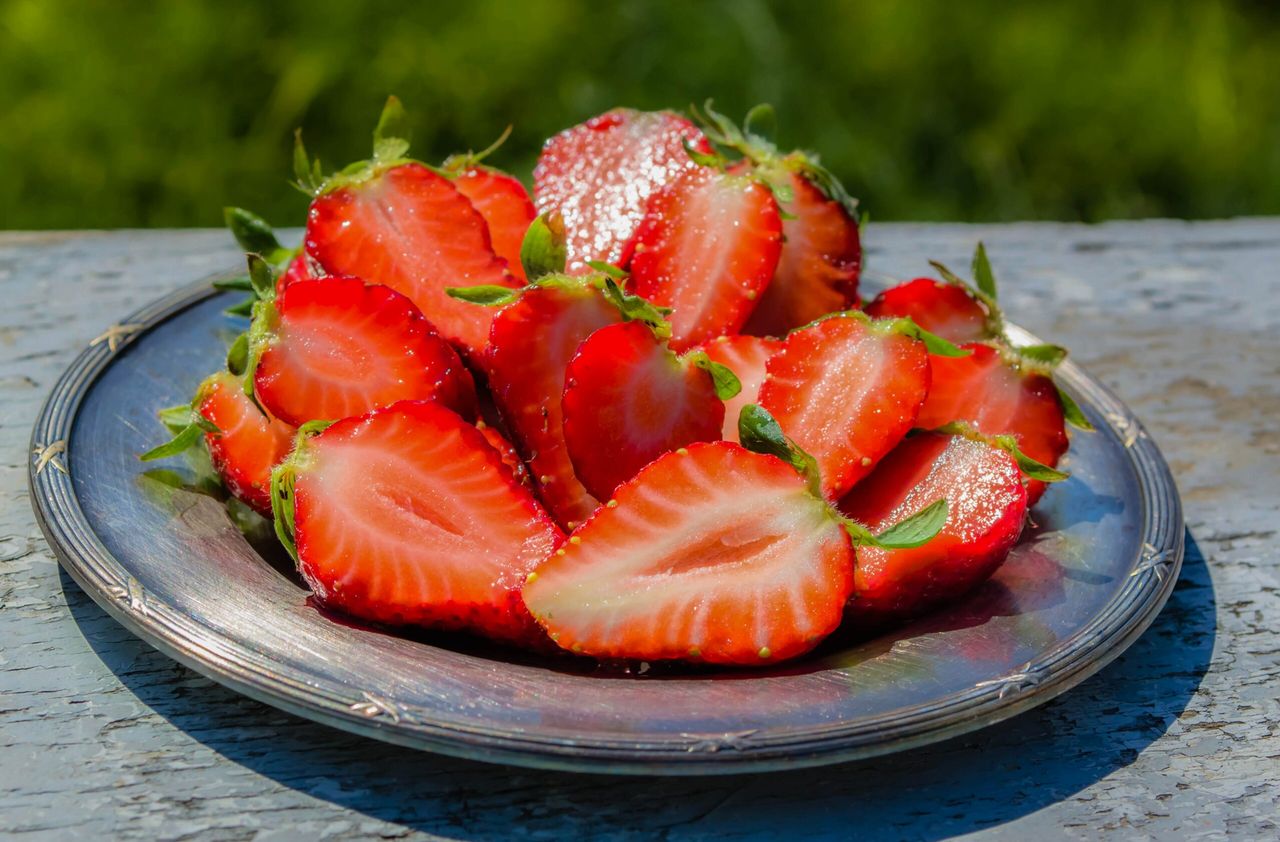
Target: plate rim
(1071, 660)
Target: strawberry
(707, 247)
(999, 396)
(820, 260)
(406, 515)
(507, 451)
(396, 222)
(988, 506)
(945, 309)
(847, 389)
(334, 347)
(628, 399)
(296, 270)
(499, 197)
(1001, 387)
(244, 444)
(713, 554)
(530, 344)
(599, 174)
(745, 356)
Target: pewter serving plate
(157, 548)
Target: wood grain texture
(102, 736)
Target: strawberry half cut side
(599, 174)
(712, 554)
(333, 347)
(628, 399)
(999, 397)
(707, 247)
(847, 390)
(987, 509)
(406, 515)
(819, 264)
(746, 356)
(243, 443)
(506, 207)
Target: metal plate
(161, 554)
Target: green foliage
(160, 114)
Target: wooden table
(102, 737)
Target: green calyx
(186, 425)
(455, 164)
(390, 149)
(283, 478)
(727, 384)
(760, 432)
(633, 308)
(902, 325)
(983, 289)
(543, 250)
(256, 236)
(1030, 468)
(246, 350)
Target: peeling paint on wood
(100, 736)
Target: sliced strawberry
(411, 229)
(999, 397)
(507, 451)
(819, 264)
(334, 347)
(707, 248)
(407, 516)
(248, 444)
(297, 270)
(949, 310)
(529, 348)
(846, 390)
(627, 400)
(987, 508)
(506, 207)
(745, 356)
(600, 173)
(714, 554)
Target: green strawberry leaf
(933, 343)
(238, 355)
(1071, 411)
(455, 164)
(543, 250)
(262, 277)
(391, 135)
(982, 274)
(251, 231)
(488, 295)
(759, 432)
(240, 283)
(283, 477)
(177, 418)
(244, 309)
(308, 177)
(180, 443)
(1045, 354)
(615, 272)
(761, 123)
(915, 531)
(633, 308)
(706, 159)
(726, 383)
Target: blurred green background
(117, 114)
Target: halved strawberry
(707, 247)
(713, 553)
(745, 356)
(628, 399)
(506, 207)
(406, 515)
(988, 506)
(599, 174)
(847, 390)
(396, 222)
(244, 445)
(530, 345)
(999, 396)
(820, 260)
(334, 347)
(948, 310)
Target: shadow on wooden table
(981, 780)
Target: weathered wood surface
(102, 737)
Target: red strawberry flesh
(627, 400)
(506, 207)
(987, 507)
(412, 230)
(407, 516)
(716, 554)
(940, 308)
(248, 444)
(707, 248)
(746, 356)
(847, 392)
(600, 173)
(341, 347)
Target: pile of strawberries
(638, 416)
